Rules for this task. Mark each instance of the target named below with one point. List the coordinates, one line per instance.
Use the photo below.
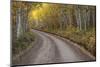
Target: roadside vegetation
(22, 43)
(84, 39)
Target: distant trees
(84, 16)
(60, 16)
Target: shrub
(22, 42)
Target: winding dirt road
(52, 49)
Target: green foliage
(23, 42)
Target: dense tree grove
(20, 17)
(63, 16)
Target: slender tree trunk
(80, 27)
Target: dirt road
(51, 49)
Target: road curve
(51, 49)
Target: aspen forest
(76, 23)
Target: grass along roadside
(85, 39)
(21, 44)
